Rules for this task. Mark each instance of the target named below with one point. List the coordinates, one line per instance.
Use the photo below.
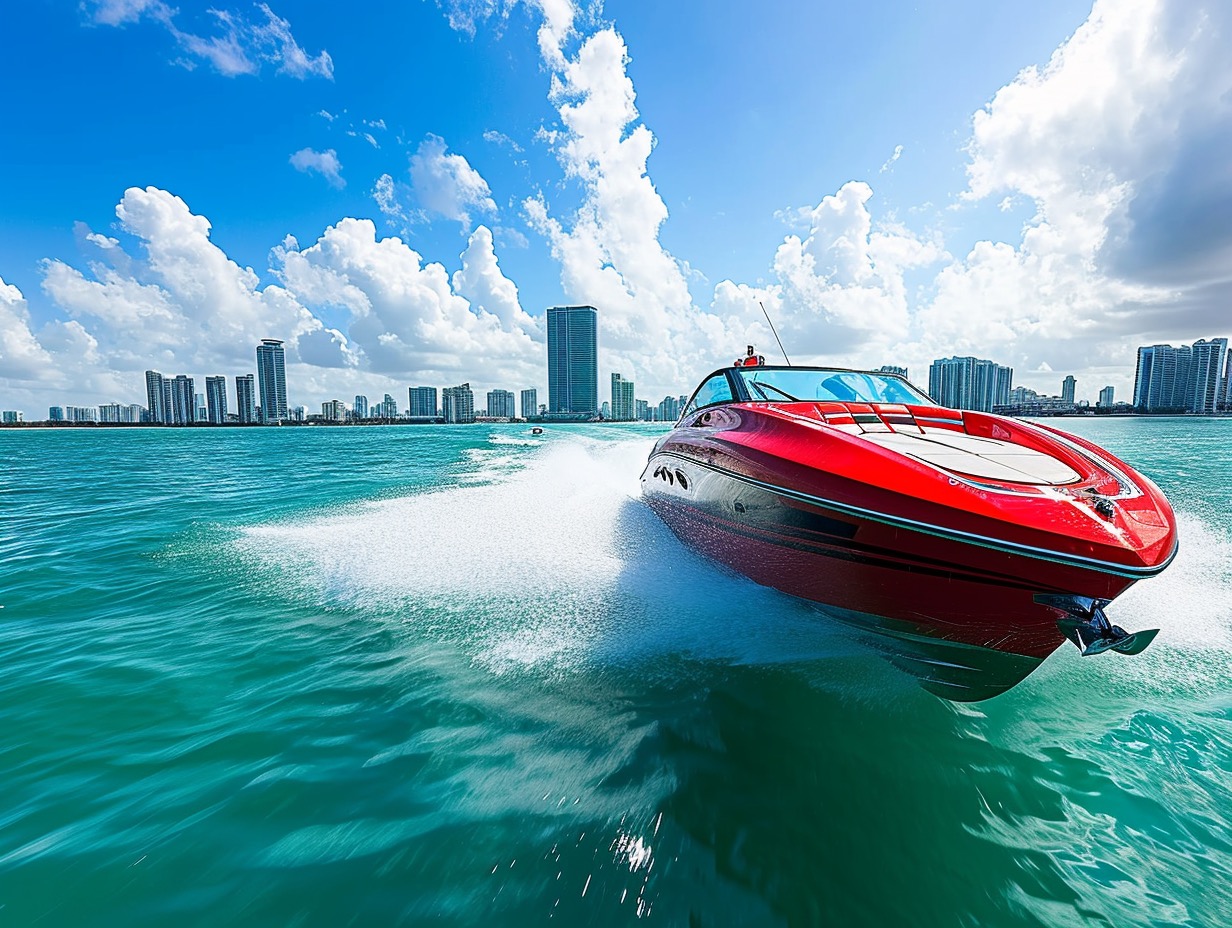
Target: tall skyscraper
(573, 360)
(1227, 382)
(387, 408)
(245, 400)
(622, 398)
(360, 409)
(530, 403)
(179, 400)
(1204, 385)
(154, 397)
(272, 380)
(1163, 377)
(969, 383)
(422, 403)
(1105, 397)
(216, 399)
(458, 403)
(1067, 389)
(668, 409)
(501, 403)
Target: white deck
(972, 456)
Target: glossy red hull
(803, 498)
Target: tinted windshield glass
(783, 384)
(714, 390)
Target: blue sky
(400, 189)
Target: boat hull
(959, 612)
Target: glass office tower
(272, 380)
(573, 360)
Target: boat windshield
(797, 384)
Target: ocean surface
(463, 676)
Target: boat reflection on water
(973, 544)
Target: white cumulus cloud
(325, 163)
(843, 283)
(447, 185)
(608, 249)
(183, 304)
(408, 316)
(22, 357)
(240, 46)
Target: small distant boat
(974, 543)
(537, 430)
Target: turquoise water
(393, 676)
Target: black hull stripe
(834, 552)
(1008, 547)
(804, 539)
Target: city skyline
(1196, 379)
(574, 156)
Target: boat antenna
(776, 334)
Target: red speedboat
(975, 543)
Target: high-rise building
(216, 399)
(155, 397)
(641, 411)
(1227, 382)
(1067, 390)
(334, 410)
(183, 401)
(1162, 379)
(530, 403)
(245, 400)
(201, 411)
(56, 413)
(458, 403)
(12, 416)
(422, 403)
(969, 383)
(668, 409)
(622, 398)
(272, 380)
(1105, 397)
(360, 410)
(387, 408)
(573, 360)
(501, 404)
(1204, 386)
(116, 412)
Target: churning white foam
(545, 554)
(1191, 601)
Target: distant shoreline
(316, 423)
(320, 423)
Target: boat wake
(543, 556)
